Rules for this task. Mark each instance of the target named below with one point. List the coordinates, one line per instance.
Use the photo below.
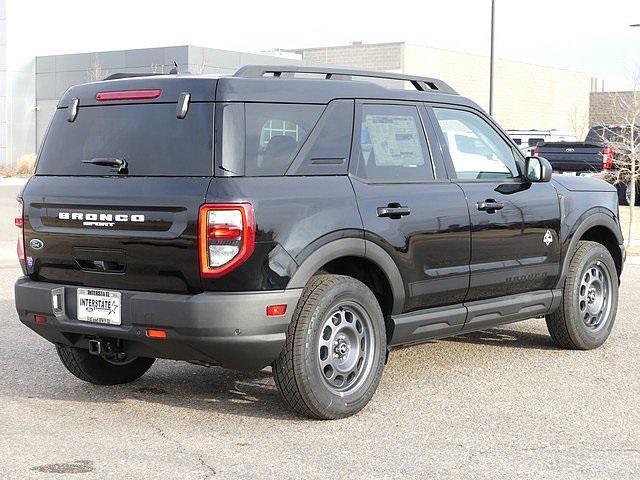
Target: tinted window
(274, 134)
(326, 151)
(476, 149)
(535, 141)
(392, 144)
(149, 137)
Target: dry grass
(24, 167)
(624, 220)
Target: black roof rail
(420, 83)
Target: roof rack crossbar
(283, 71)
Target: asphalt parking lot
(503, 403)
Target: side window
(392, 145)
(326, 151)
(476, 149)
(274, 134)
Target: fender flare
(352, 247)
(586, 221)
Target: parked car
(594, 157)
(312, 223)
(527, 140)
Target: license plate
(99, 306)
(573, 174)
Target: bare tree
(623, 140)
(96, 73)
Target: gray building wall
(56, 73)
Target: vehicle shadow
(180, 385)
(33, 371)
(500, 337)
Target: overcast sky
(592, 36)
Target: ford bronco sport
(311, 219)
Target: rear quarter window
(274, 134)
(152, 140)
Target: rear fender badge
(36, 243)
(548, 238)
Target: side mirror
(537, 169)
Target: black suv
(306, 218)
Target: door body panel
(515, 249)
(430, 246)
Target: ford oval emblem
(569, 150)
(36, 243)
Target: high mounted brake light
(226, 237)
(147, 94)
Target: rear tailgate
(572, 156)
(133, 230)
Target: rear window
(149, 137)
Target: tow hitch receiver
(95, 347)
(109, 349)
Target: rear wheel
(95, 369)
(590, 300)
(333, 359)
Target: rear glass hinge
(183, 105)
(73, 110)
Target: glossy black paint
(159, 255)
(431, 246)
(294, 217)
(509, 251)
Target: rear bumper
(228, 329)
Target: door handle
(490, 205)
(394, 210)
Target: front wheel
(335, 351)
(590, 299)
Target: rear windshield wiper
(119, 165)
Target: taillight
(19, 221)
(226, 237)
(607, 158)
(536, 151)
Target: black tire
(308, 388)
(575, 325)
(94, 369)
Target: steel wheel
(594, 298)
(345, 348)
